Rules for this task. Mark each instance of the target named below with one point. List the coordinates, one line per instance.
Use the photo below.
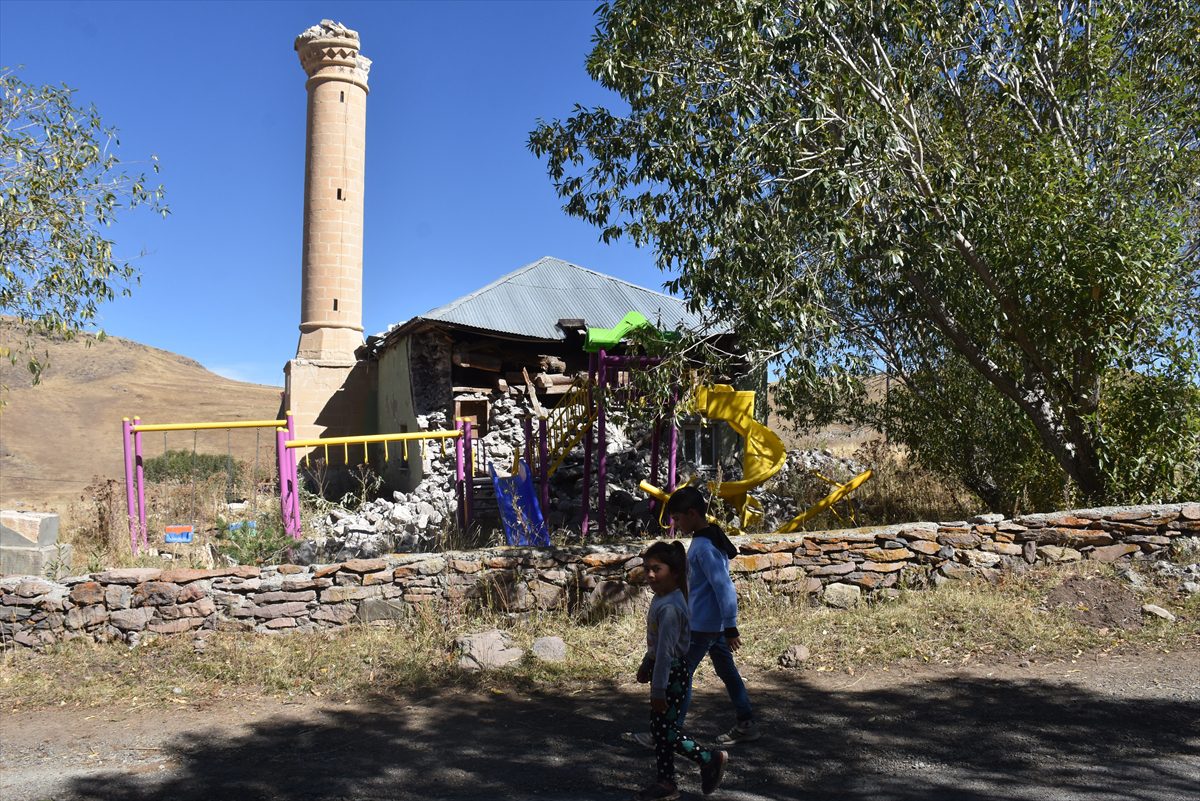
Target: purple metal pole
(469, 459)
(602, 448)
(544, 471)
(460, 476)
(655, 442)
(527, 425)
(286, 486)
(293, 470)
(587, 450)
(140, 471)
(673, 445)
(130, 503)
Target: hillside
(57, 436)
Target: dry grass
(956, 624)
(98, 523)
(898, 491)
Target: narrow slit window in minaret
(341, 97)
(335, 304)
(339, 193)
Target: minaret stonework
(320, 390)
(331, 297)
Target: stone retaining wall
(837, 567)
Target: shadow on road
(968, 739)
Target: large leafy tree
(997, 194)
(61, 186)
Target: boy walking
(712, 609)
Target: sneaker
(712, 773)
(643, 738)
(657, 792)
(745, 731)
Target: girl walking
(664, 667)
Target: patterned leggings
(668, 739)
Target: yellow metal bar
(415, 435)
(207, 426)
(386, 457)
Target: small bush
(254, 542)
(184, 466)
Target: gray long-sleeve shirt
(667, 638)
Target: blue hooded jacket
(712, 600)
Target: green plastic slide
(605, 338)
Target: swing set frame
(135, 481)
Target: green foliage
(1153, 422)
(263, 543)
(185, 466)
(1000, 198)
(964, 430)
(61, 184)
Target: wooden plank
(465, 357)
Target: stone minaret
(331, 297)
(319, 390)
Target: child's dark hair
(673, 556)
(685, 499)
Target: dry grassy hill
(56, 437)
(840, 440)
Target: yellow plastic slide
(763, 454)
(762, 457)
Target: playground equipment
(840, 492)
(518, 506)
(559, 431)
(135, 481)
(763, 454)
(599, 339)
(581, 417)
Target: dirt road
(1101, 729)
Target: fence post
(130, 503)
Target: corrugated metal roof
(529, 302)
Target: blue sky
(454, 198)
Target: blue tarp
(517, 500)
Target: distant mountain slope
(56, 436)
